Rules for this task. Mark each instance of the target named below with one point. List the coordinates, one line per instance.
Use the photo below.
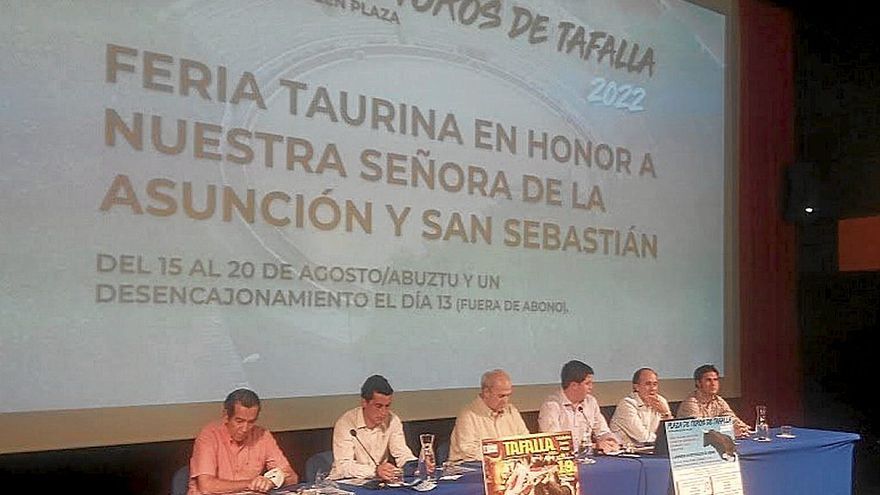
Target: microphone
(354, 433)
(584, 414)
(587, 434)
(581, 410)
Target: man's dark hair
(638, 374)
(375, 383)
(243, 396)
(702, 370)
(575, 371)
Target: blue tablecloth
(815, 462)
(611, 475)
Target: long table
(815, 462)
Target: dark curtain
(769, 337)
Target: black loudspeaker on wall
(809, 194)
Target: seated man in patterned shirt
(704, 402)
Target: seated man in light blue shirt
(573, 408)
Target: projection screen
(293, 195)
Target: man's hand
(741, 429)
(608, 444)
(654, 403)
(261, 484)
(387, 472)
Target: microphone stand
(585, 447)
(372, 484)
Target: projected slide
(291, 195)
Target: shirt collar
(638, 399)
(703, 398)
(483, 409)
(361, 423)
(224, 434)
(566, 402)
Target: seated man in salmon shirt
(233, 454)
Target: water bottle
(426, 457)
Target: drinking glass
(762, 429)
(397, 476)
(585, 448)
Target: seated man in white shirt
(573, 408)
(368, 440)
(490, 415)
(637, 415)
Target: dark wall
(838, 131)
(841, 316)
(840, 320)
(837, 75)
